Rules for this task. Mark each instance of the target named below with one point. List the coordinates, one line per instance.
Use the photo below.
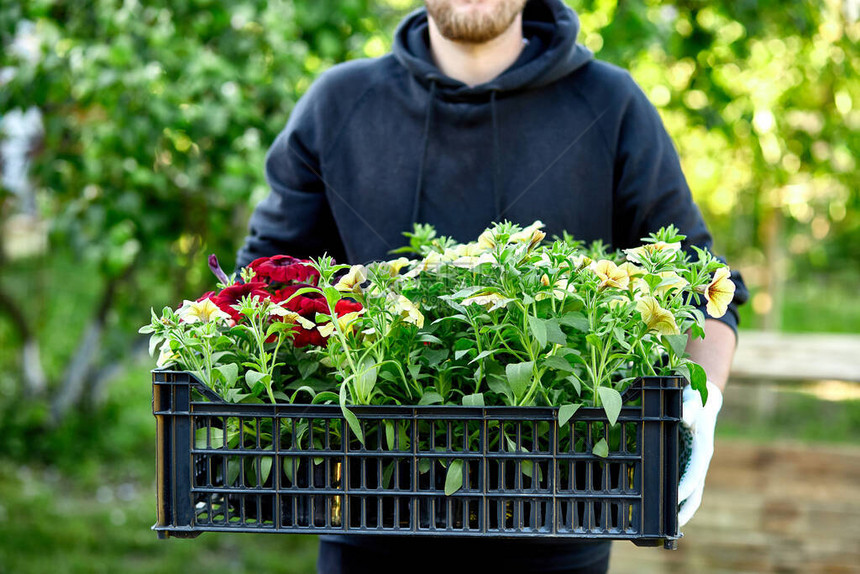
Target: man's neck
(475, 64)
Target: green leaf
(277, 327)
(386, 475)
(366, 380)
(233, 468)
(594, 341)
(454, 477)
(678, 343)
(576, 320)
(558, 363)
(216, 438)
(323, 397)
(252, 378)
(430, 398)
(332, 296)
(289, 468)
(482, 355)
(435, 356)
(459, 354)
(467, 292)
(500, 385)
(230, 372)
(305, 388)
(350, 417)
(611, 400)
(389, 434)
(308, 368)
(600, 448)
(265, 468)
(519, 377)
(458, 317)
(404, 436)
(414, 371)
(526, 466)
(236, 396)
(475, 400)
(554, 334)
(565, 412)
(154, 341)
(428, 338)
(653, 280)
(699, 380)
(538, 329)
(577, 384)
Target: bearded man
(485, 110)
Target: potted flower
(509, 320)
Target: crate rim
(465, 411)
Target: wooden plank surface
(769, 508)
(792, 356)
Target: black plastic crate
(299, 469)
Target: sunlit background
(132, 138)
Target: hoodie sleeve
(295, 218)
(651, 191)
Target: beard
(474, 27)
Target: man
(485, 110)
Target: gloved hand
(697, 430)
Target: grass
(90, 509)
(813, 306)
(81, 497)
(770, 414)
(49, 523)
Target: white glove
(697, 429)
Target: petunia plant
(508, 319)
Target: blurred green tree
(157, 117)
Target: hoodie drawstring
(497, 200)
(428, 117)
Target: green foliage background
(157, 118)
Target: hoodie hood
(550, 27)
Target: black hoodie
(377, 144)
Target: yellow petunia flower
(204, 311)
(290, 316)
(531, 235)
(351, 282)
(471, 261)
(407, 310)
(719, 293)
(559, 291)
(528, 233)
(610, 274)
(491, 300)
(641, 253)
(487, 239)
(344, 321)
(671, 281)
(429, 263)
(393, 267)
(581, 262)
(656, 317)
(166, 356)
(631, 269)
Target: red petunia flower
(306, 304)
(283, 269)
(345, 306)
(231, 295)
